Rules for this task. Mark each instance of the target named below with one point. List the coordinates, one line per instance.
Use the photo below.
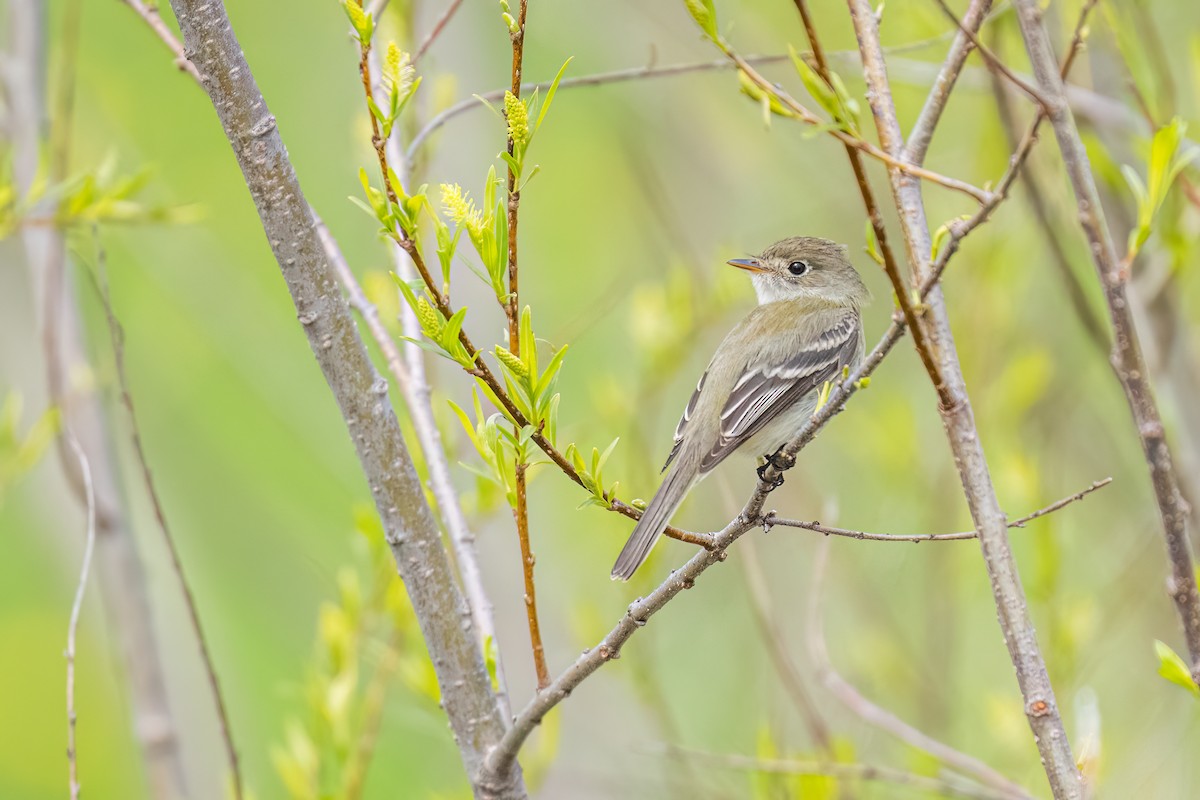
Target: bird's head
(805, 266)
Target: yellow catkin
(460, 208)
(430, 319)
(516, 365)
(518, 119)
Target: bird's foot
(780, 461)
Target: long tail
(653, 521)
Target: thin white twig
(85, 471)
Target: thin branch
(151, 16)
(117, 340)
(990, 58)
(939, 94)
(771, 521)
(838, 769)
(599, 79)
(1126, 358)
(512, 314)
(869, 712)
(361, 393)
(893, 161)
(958, 420)
(436, 30)
(85, 471)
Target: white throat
(771, 290)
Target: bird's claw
(780, 461)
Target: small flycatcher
(762, 384)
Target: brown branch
(117, 340)
(771, 521)
(1126, 359)
(845, 693)
(361, 393)
(85, 472)
(958, 420)
(512, 314)
(840, 769)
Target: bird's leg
(780, 461)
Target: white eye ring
(798, 268)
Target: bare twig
(875, 715)
(598, 79)
(958, 420)
(931, 113)
(512, 313)
(892, 160)
(994, 63)
(117, 338)
(839, 769)
(436, 30)
(1126, 358)
(772, 521)
(85, 472)
(361, 393)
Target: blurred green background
(645, 189)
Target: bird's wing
(768, 388)
(683, 421)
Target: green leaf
(550, 97)
(815, 84)
(1172, 667)
(705, 15)
(546, 381)
(360, 20)
(872, 246)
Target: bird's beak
(748, 264)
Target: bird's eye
(798, 267)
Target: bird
(763, 382)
